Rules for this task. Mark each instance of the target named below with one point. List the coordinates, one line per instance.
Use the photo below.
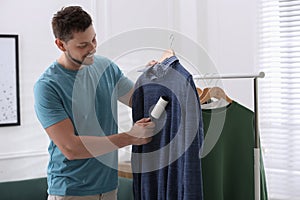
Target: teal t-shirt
(89, 98)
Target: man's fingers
(148, 125)
(151, 63)
(143, 120)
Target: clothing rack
(256, 134)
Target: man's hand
(151, 63)
(142, 131)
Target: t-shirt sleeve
(124, 84)
(48, 106)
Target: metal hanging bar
(228, 76)
(256, 144)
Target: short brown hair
(69, 20)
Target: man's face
(82, 47)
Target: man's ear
(60, 44)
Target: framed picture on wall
(9, 80)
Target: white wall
(23, 149)
(226, 29)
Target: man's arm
(127, 98)
(80, 147)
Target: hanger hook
(171, 38)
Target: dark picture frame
(9, 80)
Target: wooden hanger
(199, 91)
(167, 54)
(214, 92)
(204, 93)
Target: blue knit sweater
(169, 167)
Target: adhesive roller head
(159, 107)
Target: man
(76, 103)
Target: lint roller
(159, 107)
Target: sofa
(36, 189)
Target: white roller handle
(159, 108)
